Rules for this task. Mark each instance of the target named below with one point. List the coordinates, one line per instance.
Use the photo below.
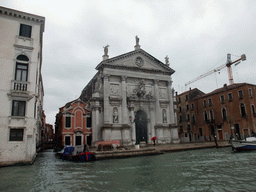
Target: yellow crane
(228, 65)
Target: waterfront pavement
(150, 149)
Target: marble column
(158, 110)
(124, 102)
(107, 110)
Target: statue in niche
(106, 49)
(164, 116)
(142, 89)
(115, 115)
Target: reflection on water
(197, 170)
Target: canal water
(194, 170)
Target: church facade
(132, 99)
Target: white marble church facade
(131, 98)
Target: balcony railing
(21, 86)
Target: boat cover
(68, 150)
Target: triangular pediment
(138, 59)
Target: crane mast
(228, 65)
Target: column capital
(123, 78)
(156, 81)
(106, 77)
(169, 83)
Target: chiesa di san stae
(131, 99)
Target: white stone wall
(119, 84)
(11, 45)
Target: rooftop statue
(106, 49)
(137, 39)
(167, 60)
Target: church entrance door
(141, 127)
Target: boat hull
(239, 145)
(86, 156)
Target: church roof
(108, 62)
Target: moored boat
(244, 145)
(67, 154)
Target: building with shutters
(21, 94)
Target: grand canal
(195, 170)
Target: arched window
(224, 113)
(21, 72)
(243, 111)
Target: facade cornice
(22, 15)
(153, 71)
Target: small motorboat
(247, 144)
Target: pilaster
(158, 110)
(124, 101)
(106, 94)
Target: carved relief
(162, 93)
(114, 89)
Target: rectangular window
(68, 122)
(25, 30)
(230, 97)
(179, 100)
(253, 110)
(211, 116)
(179, 109)
(78, 140)
(88, 122)
(16, 134)
(250, 92)
(67, 140)
(192, 106)
(240, 94)
(186, 97)
(18, 108)
(210, 102)
(21, 73)
(193, 118)
(222, 99)
(188, 128)
(188, 117)
(180, 119)
(187, 107)
(204, 103)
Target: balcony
(19, 86)
(24, 42)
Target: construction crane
(228, 65)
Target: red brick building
(73, 124)
(183, 113)
(226, 111)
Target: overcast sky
(197, 35)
